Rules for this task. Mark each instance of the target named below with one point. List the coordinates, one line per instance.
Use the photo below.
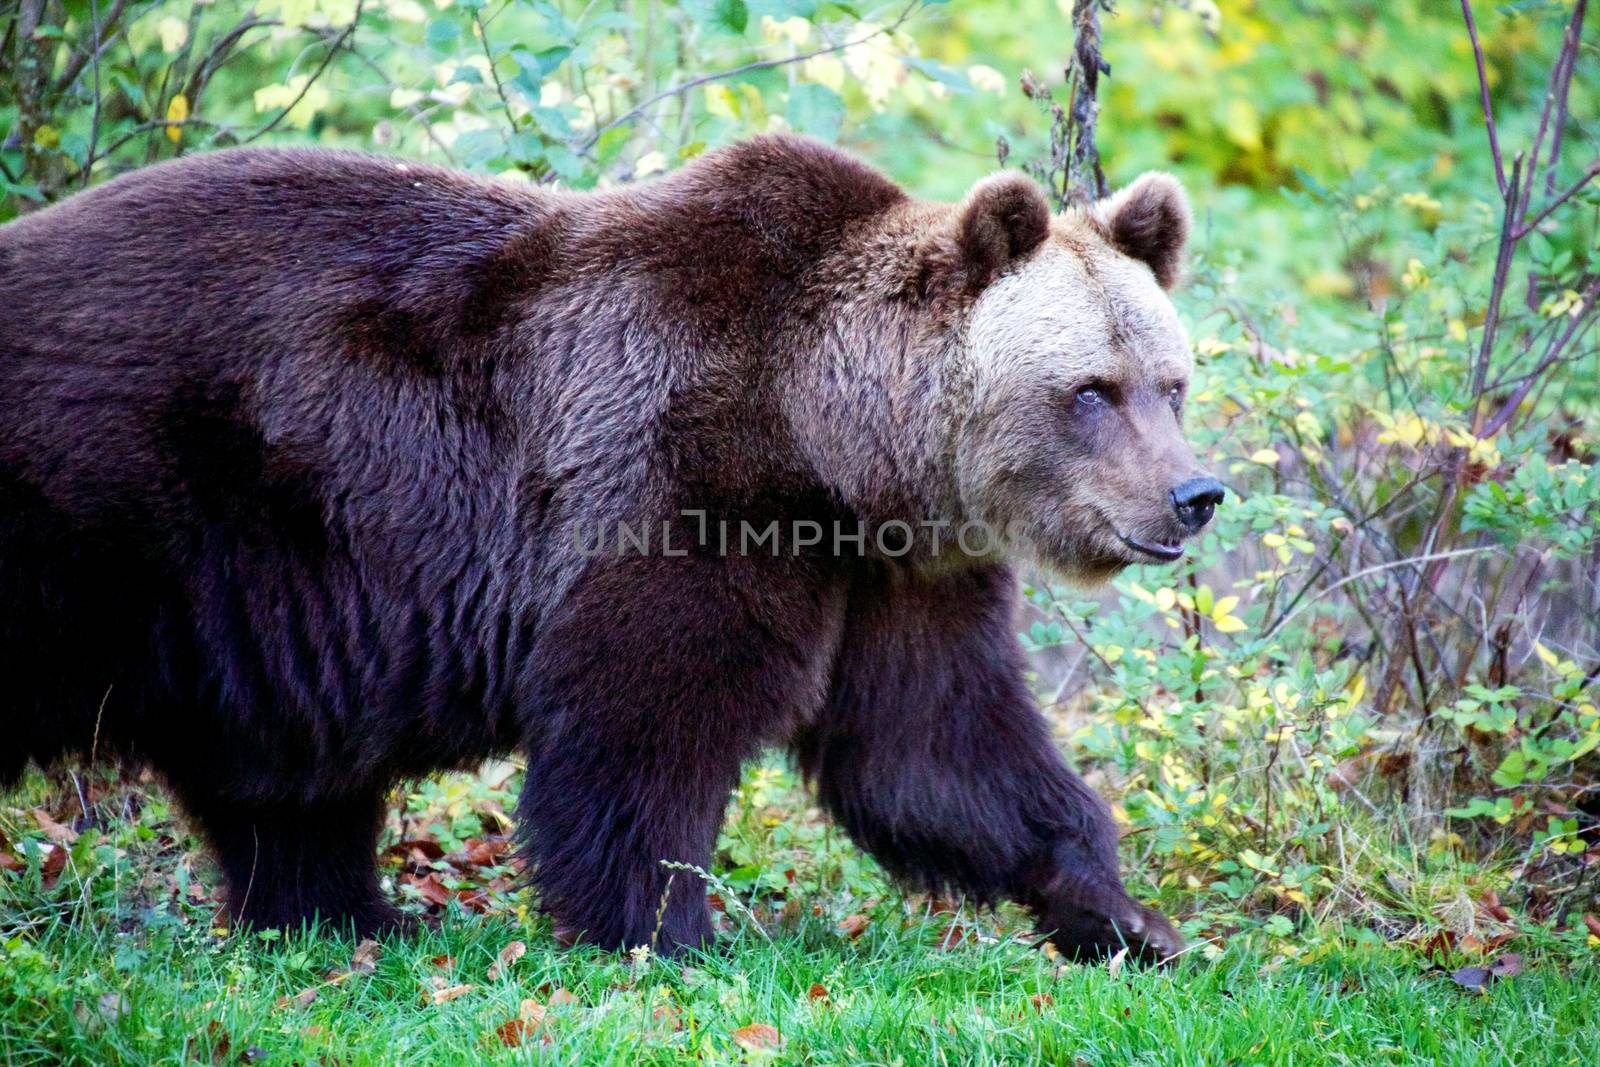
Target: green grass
(116, 961)
(78, 991)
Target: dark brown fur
(295, 452)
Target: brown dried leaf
(447, 994)
(759, 1037)
(1475, 979)
(1492, 905)
(56, 832)
(1041, 1001)
(54, 862)
(426, 846)
(818, 991)
(666, 1017)
(562, 997)
(302, 999)
(1114, 965)
(529, 1020)
(508, 955)
(1593, 924)
(432, 890)
(853, 926)
(1506, 966)
(956, 935)
(365, 958)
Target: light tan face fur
(1070, 478)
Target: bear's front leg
(933, 756)
(655, 680)
(289, 865)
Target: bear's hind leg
(290, 865)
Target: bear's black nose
(1195, 500)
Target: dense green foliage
(1363, 713)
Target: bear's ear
(1003, 219)
(1149, 220)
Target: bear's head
(1071, 373)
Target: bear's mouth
(1164, 551)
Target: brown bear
(320, 470)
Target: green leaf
(610, 144)
(540, 64)
(722, 16)
(443, 32)
(952, 79)
(783, 9)
(816, 109)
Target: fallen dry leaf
(955, 935)
(818, 991)
(56, 832)
(1506, 966)
(1114, 965)
(1593, 924)
(365, 958)
(561, 997)
(508, 955)
(853, 926)
(1041, 1001)
(302, 999)
(529, 1020)
(432, 890)
(666, 1017)
(759, 1037)
(447, 994)
(1478, 979)
(54, 862)
(1492, 905)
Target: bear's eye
(1092, 396)
(1175, 396)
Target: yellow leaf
(1550, 658)
(1165, 599)
(722, 102)
(1229, 624)
(177, 112)
(1244, 123)
(1267, 457)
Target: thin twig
(488, 55)
(1544, 213)
(1483, 92)
(333, 50)
(94, 122)
(1367, 572)
(760, 64)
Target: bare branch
(99, 40)
(322, 67)
(1569, 46)
(760, 64)
(1502, 270)
(94, 59)
(1544, 213)
(1483, 92)
(1551, 356)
